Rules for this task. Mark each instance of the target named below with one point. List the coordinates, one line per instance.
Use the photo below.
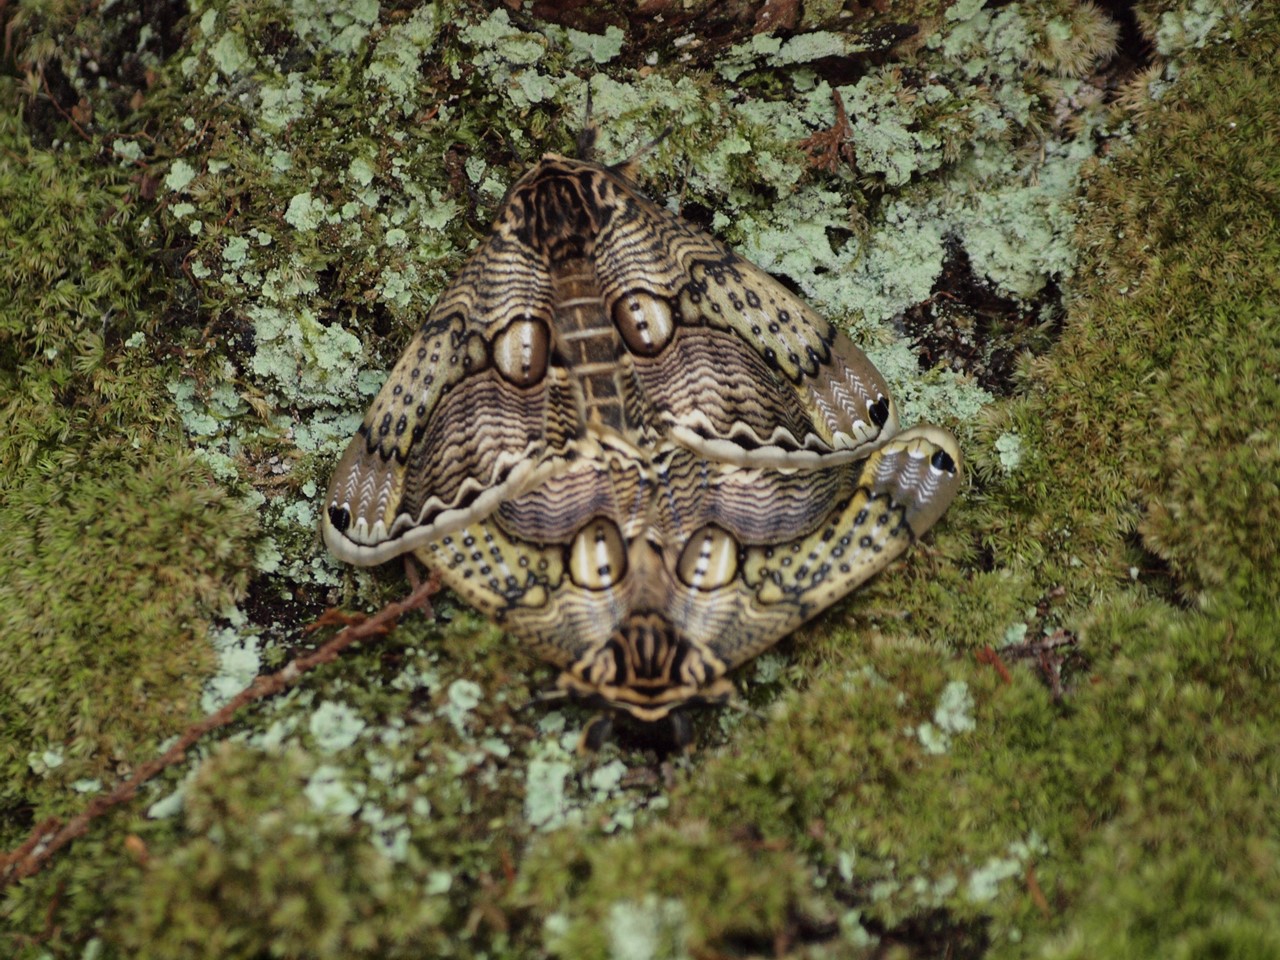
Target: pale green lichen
(599, 48)
(129, 151)
(42, 762)
(545, 804)
(630, 113)
(1019, 239)
(501, 45)
(179, 176)
(417, 673)
(954, 713)
(399, 52)
(236, 251)
(607, 778)
(308, 363)
(854, 933)
(902, 261)
(207, 415)
(767, 49)
(952, 716)
(463, 697)
(361, 170)
(939, 396)
(237, 649)
(890, 140)
(653, 928)
(340, 26)
(1008, 447)
(1019, 235)
(554, 798)
(170, 805)
(986, 41)
(1015, 634)
(934, 741)
(306, 212)
(335, 726)
(231, 55)
(282, 100)
(332, 793)
(1192, 26)
(984, 883)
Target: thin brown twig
(52, 834)
(989, 656)
(57, 106)
(828, 148)
(1036, 893)
(1045, 652)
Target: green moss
(677, 891)
(119, 546)
(262, 871)
(1193, 760)
(70, 296)
(1029, 784)
(900, 803)
(1175, 436)
(106, 588)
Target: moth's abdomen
(589, 344)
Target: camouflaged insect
(633, 450)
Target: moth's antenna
(586, 147)
(628, 166)
(733, 703)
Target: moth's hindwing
(647, 592)
(899, 493)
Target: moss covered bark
(1046, 733)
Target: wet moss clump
(119, 547)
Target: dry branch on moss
(52, 834)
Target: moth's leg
(681, 731)
(412, 572)
(596, 733)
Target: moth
(633, 450)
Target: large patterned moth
(635, 451)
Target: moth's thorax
(560, 207)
